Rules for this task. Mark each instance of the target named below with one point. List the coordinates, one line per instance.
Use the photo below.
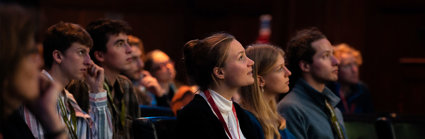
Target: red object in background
(265, 29)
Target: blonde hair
(344, 49)
(252, 97)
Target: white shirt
(225, 107)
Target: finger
(89, 70)
(99, 73)
(93, 70)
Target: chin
(29, 95)
(250, 82)
(79, 77)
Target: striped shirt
(96, 124)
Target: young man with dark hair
(112, 52)
(66, 56)
(310, 108)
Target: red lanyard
(345, 103)
(220, 117)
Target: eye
(326, 55)
(281, 68)
(82, 52)
(121, 43)
(242, 57)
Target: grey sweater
(305, 112)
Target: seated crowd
(96, 81)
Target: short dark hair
(201, 56)
(101, 29)
(300, 49)
(60, 37)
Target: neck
(165, 86)
(269, 96)
(225, 91)
(319, 86)
(111, 76)
(58, 75)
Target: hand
(151, 84)
(44, 108)
(95, 78)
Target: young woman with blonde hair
(271, 79)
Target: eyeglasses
(159, 66)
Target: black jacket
(196, 120)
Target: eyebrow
(120, 40)
(241, 52)
(326, 51)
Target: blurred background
(389, 33)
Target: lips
(129, 59)
(250, 73)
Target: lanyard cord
(114, 107)
(66, 120)
(335, 124)
(220, 117)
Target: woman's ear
(99, 56)
(57, 57)
(261, 81)
(218, 73)
(304, 66)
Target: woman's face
(277, 80)
(26, 79)
(238, 67)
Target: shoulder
(123, 80)
(294, 99)
(125, 84)
(292, 104)
(197, 106)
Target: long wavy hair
(252, 97)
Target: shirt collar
(47, 75)
(222, 103)
(320, 97)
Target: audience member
(20, 82)
(145, 84)
(310, 107)
(112, 52)
(271, 78)
(219, 66)
(162, 68)
(66, 56)
(355, 96)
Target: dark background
(389, 33)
